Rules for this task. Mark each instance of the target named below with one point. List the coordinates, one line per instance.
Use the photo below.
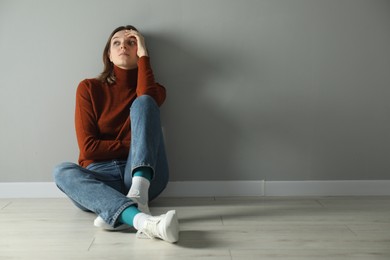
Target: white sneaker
(99, 222)
(165, 227)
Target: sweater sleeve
(146, 82)
(91, 146)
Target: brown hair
(107, 76)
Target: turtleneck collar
(126, 78)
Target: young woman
(122, 161)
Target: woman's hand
(141, 47)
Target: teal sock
(145, 172)
(127, 216)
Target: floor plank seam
(319, 202)
(356, 235)
(230, 253)
(9, 203)
(90, 245)
(222, 220)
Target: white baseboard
(29, 190)
(214, 188)
(225, 188)
(328, 188)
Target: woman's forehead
(118, 34)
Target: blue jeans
(101, 187)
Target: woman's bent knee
(61, 170)
(145, 101)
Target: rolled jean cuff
(114, 219)
(141, 165)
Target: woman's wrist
(143, 53)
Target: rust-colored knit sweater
(102, 112)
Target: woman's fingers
(140, 42)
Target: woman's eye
(132, 43)
(115, 43)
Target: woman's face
(123, 51)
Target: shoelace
(150, 229)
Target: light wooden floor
(212, 228)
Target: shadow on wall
(200, 139)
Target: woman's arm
(146, 83)
(90, 144)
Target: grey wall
(266, 89)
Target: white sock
(139, 189)
(139, 220)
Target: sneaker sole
(100, 223)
